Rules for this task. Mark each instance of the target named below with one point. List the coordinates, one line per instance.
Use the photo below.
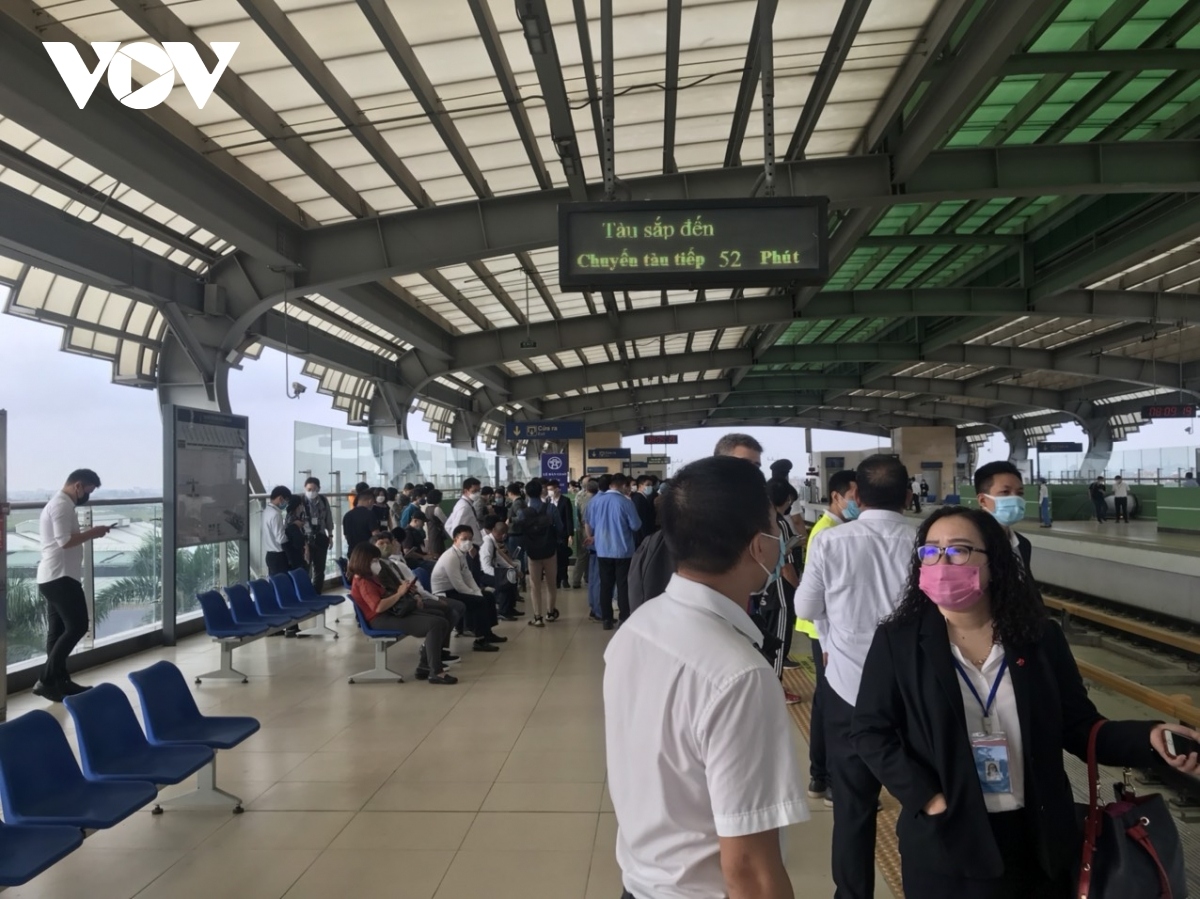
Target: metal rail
(1071, 609)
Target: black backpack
(535, 532)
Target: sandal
(552, 615)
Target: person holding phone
(60, 580)
(400, 610)
(969, 697)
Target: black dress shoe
(608, 625)
(49, 691)
(422, 674)
(480, 646)
(70, 688)
(495, 638)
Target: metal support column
(766, 51)
(607, 87)
(3, 564)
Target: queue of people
(940, 678)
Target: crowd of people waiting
(940, 676)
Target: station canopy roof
(1015, 234)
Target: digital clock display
(1167, 410)
(692, 244)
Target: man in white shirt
(274, 531)
(60, 580)
(495, 565)
(1121, 499)
(452, 577)
(1044, 503)
(464, 512)
(853, 578)
(701, 765)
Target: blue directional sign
(543, 430)
(612, 452)
(554, 467)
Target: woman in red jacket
(389, 607)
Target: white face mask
(311, 494)
(376, 566)
(475, 494)
(463, 546)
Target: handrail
(1186, 642)
(98, 504)
(1178, 707)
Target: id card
(991, 762)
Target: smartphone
(118, 525)
(1178, 744)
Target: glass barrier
(1166, 466)
(340, 458)
(122, 576)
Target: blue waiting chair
(267, 602)
(172, 718)
(424, 578)
(308, 593)
(289, 601)
(227, 634)
(344, 571)
(382, 640)
(27, 851)
(112, 746)
(244, 611)
(40, 781)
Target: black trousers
(1101, 507)
(433, 626)
(855, 799)
(506, 593)
(1122, 504)
(614, 573)
(1023, 878)
(481, 612)
(277, 563)
(564, 563)
(818, 766)
(318, 552)
(67, 620)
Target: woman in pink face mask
(969, 696)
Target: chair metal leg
(321, 630)
(206, 795)
(381, 671)
(226, 671)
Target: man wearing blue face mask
(1000, 490)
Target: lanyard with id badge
(989, 748)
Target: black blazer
(1025, 548)
(910, 729)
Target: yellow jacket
(828, 520)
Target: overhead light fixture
(532, 28)
(528, 343)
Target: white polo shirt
(56, 525)
(853, 578)
(699, 743)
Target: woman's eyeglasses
(955, 555)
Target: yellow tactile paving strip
(802, 682)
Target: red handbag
(1131, 847)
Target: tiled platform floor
(491, 789)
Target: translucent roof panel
(95, 323)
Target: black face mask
(84, 500)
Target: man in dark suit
(566, 517)
(360, 522)
(1000, 489)
(644, 503)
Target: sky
(64, 413)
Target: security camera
(298, 388)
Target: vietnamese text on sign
(611, 452)
(543, 430)
(661, 439)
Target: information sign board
(658, 460)
(610, 452)
(758, 242)
(1169, 410)
(543, 430)
(554, 466)
(1050, 446)
(661, 439)
(210, 477)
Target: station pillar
(928, 452)
(1100, 447)
(577, 453)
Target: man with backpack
(537, 528)
(612, 523)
